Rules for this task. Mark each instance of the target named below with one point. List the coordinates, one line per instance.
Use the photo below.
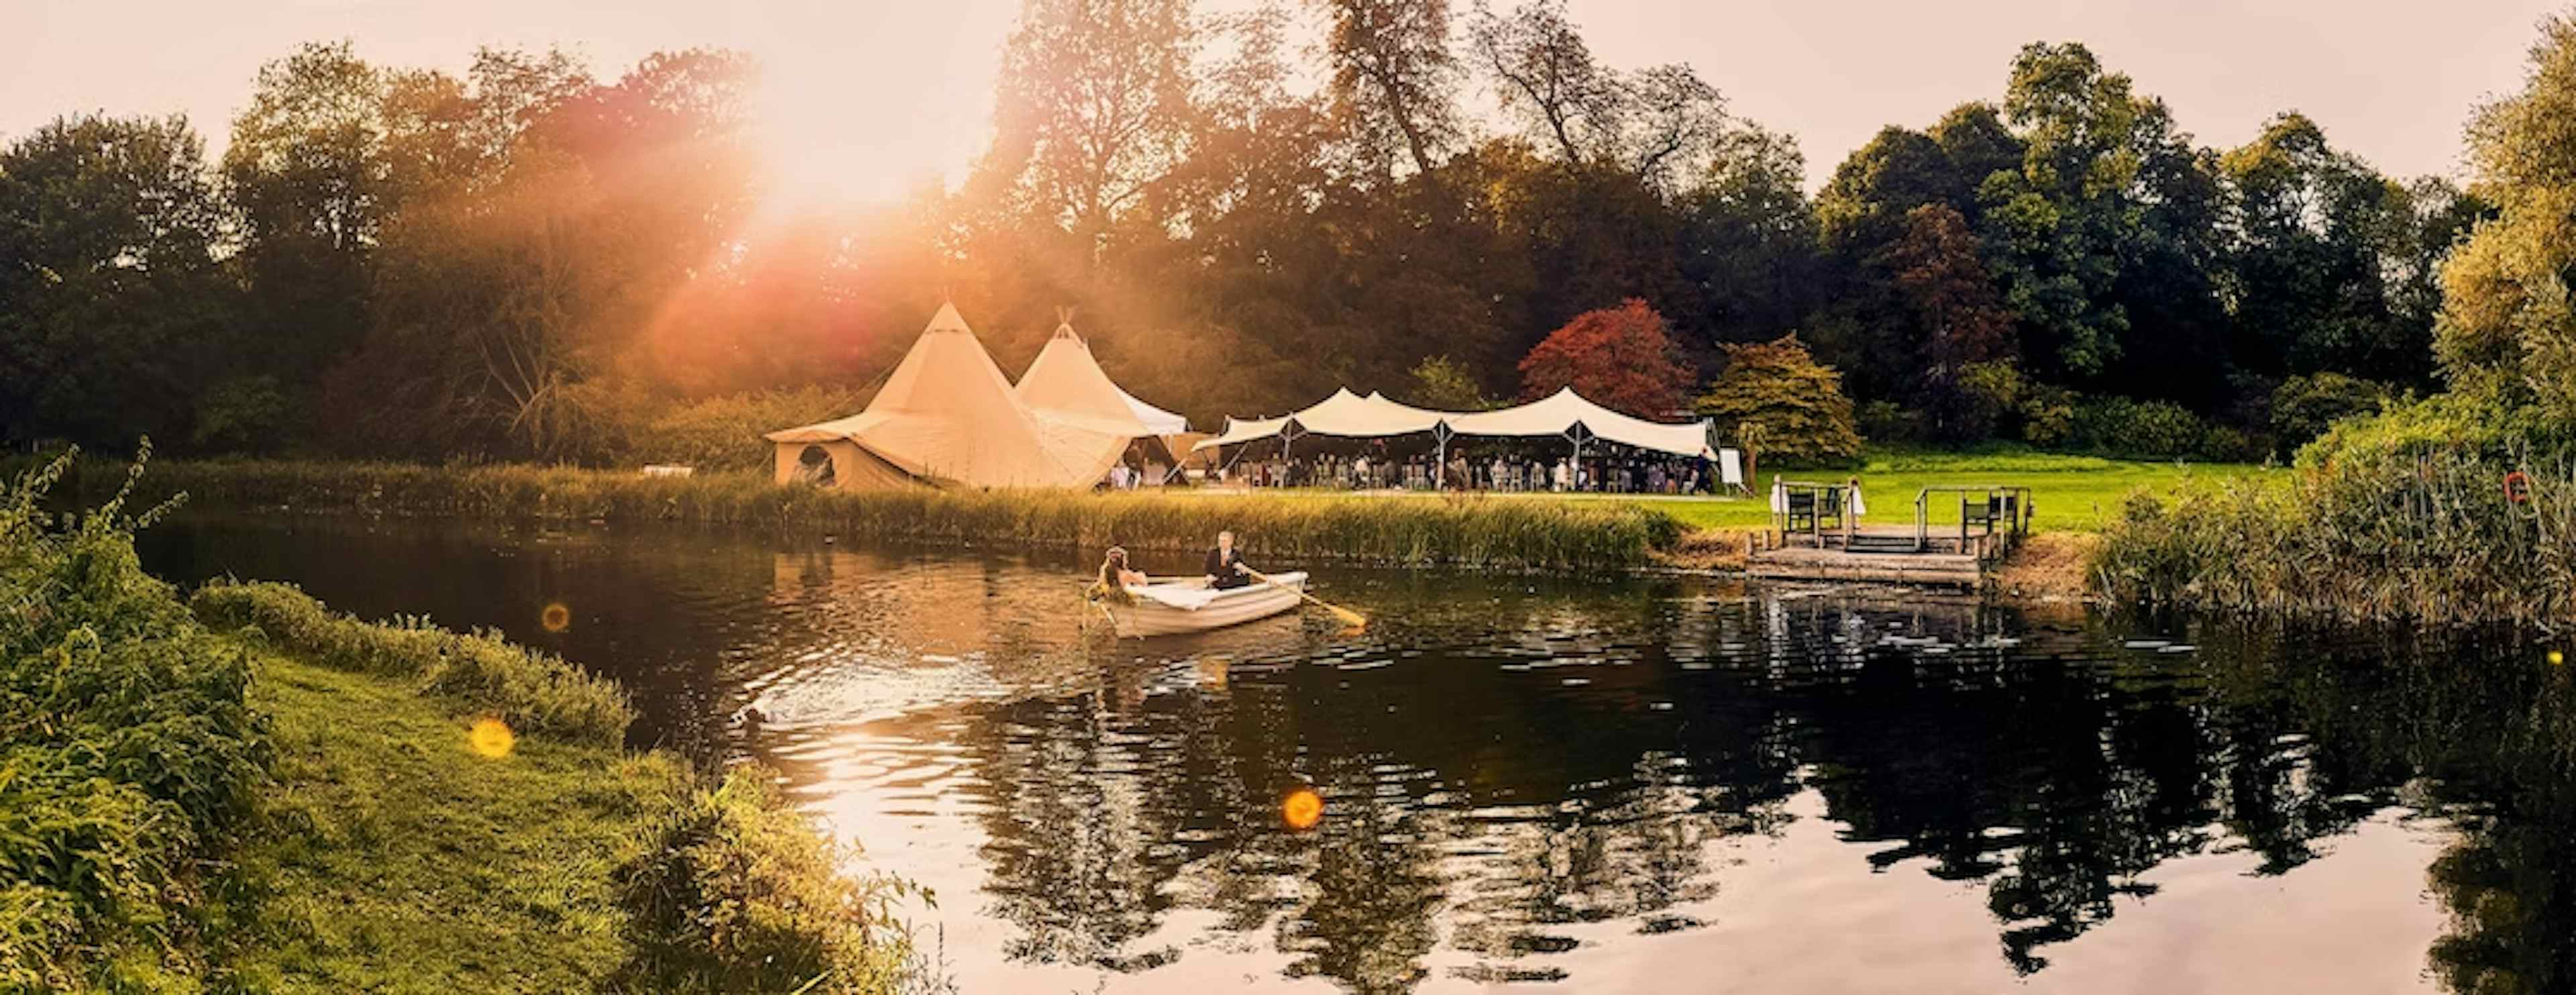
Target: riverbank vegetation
(535, 260)
(2456, 507)
(260, 795)
(1464, 531)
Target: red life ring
(2517, 488)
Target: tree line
(1244, 211)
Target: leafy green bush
(531, 691)
(2457, 422)
(738, 893)
(127, 750)
(2303, 407)
(2133, 429)
(724, 433)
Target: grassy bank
(2068, 493)
(249, 793)
(1466, 531)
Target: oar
(1350, 618)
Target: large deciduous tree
(1958, 318)
(115, 317)
(1776, 392)
(2508, 319)
(1394, 80)
(1620, 358)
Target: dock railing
(1821, 512)
(1993, 518)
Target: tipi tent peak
(1065, 383)
(947, 415)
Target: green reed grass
(481, 672)
(1464, 531)
(2426, 536)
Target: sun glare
(825, 146)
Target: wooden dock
(1814, 539)
(1869, 562)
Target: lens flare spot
(1303, 809)
(556, 617)
(491, 738)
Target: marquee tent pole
(1440, 456)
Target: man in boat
(1225, 567)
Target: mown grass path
(393, 857)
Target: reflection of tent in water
(1066, 385)
(947, 416)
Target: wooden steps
(1804, 563)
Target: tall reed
(1494, 532)
(2429, 535)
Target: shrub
(2118, 426)
(127, 749)
(2304, 406)
(724, 433)
(531, 691)
(1889, 422)
(736, 892)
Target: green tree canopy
(2508, 322)
(1795, 404)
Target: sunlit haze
(869, 98)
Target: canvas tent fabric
(1348, 414)
(1558, 413)
(946, 415)
(1066, 384)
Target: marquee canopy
(1564, 413)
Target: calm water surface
(1628, 785)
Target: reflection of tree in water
(1076, 849)
(2484, 734)
(1373, 882)
(1490, 802)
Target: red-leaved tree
(1618, 357)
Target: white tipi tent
(1064, 383)
(946, 415)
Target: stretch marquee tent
(947, 416)
(1564, 413)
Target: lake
(1605, 785)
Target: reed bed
(480, 672)
(1459, 531)
(2428, 536)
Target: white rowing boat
(1189, 606)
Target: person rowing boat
(1225, 569)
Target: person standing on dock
(1225, 568)
(1857, 507)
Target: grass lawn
(389, 856)
(2068, 493)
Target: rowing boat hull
(1148, 617)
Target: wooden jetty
(1815, 536)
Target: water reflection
(1623, 785)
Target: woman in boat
(1115, 578)
(1225, 567)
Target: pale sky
(896, 91)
